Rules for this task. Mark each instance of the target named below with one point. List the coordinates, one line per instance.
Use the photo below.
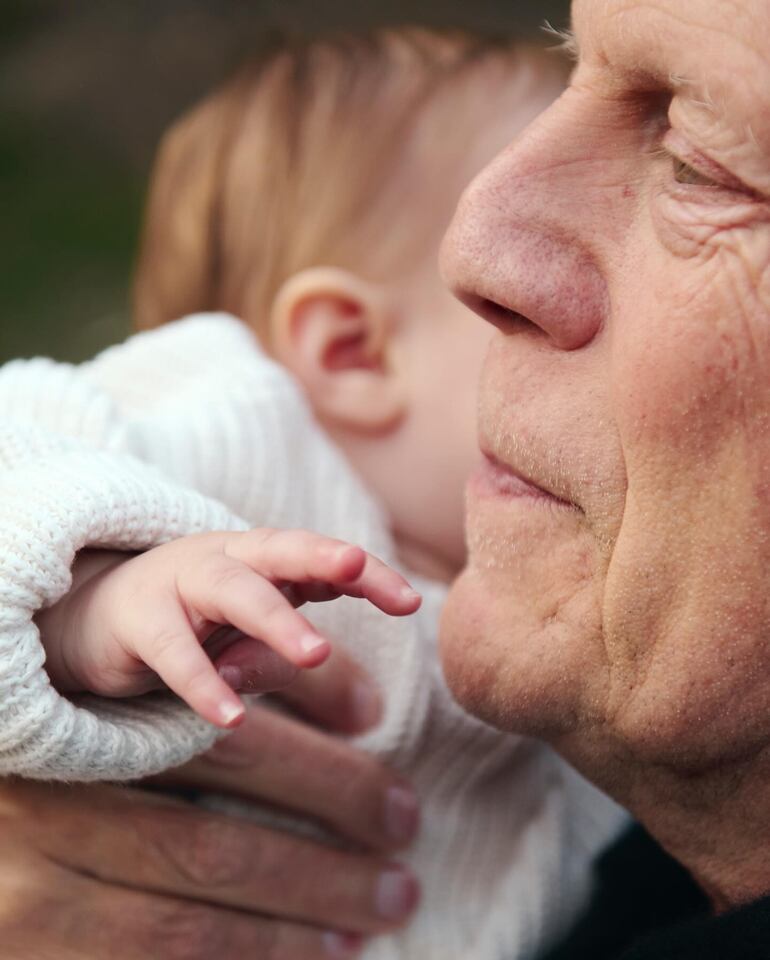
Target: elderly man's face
(619, 532)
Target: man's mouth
(496, 479)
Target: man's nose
(518, 251)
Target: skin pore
(615, 600)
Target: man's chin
(514, 662)
(469, 657)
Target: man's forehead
(676, 24)
(717, 51)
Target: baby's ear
(334, 332)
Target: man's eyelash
(682, 168)
(686, 173)
(710, 174)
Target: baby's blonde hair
(294, 163)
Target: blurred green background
(86, 89)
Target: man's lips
(496, 479)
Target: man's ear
(334, 333)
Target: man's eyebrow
(567, 44)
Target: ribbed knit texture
(55, 497)
(508, 830)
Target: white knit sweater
(190, 428)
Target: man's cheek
(686, 360)
(691, 398)
(691, 395)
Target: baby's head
(308, 197)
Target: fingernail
(402, 813)
(341, 944)
(367, 705)
(311, 642)
(407, 594)
(231, 713)
(396, 894)
(233, 676)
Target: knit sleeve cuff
(56, 497)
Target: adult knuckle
(186, 931)
(215, 854)
(360, 799)
(359, 782)
(267, 938)
(335, 888)
(24, 805)
(17, 902)
(29, 902)
(312, 888)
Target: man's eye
(684, 173)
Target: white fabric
(191, 428)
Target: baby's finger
(175, 654)
(231, 593)
(298, 556)
(319, 568)
(378, 583)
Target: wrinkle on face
(659, 424)
(685, 611)
(751, 313)
(629, 46)
(701, 232)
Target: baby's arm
(133, 624)
(71, 481)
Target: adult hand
(93, 872)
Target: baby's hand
(147, 618)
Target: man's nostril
(505, 320)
